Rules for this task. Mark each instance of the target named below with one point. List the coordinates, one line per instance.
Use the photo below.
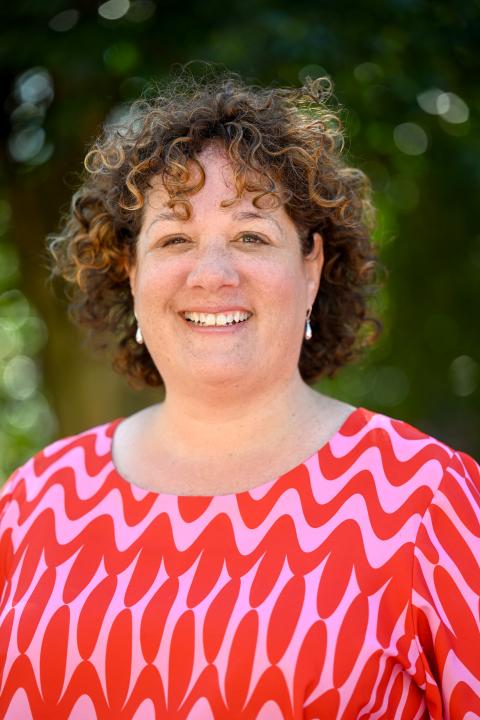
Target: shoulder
(405, 438)
(86, 450)
(398, 431)
(400, 450)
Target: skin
(234, 398)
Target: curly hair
(285, 144)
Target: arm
(446, 593)
(7, 491)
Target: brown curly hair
(285, 144)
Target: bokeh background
(406, 72)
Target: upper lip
(216, 310)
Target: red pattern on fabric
(346, 589)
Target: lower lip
(217, 329)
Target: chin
(222, 377)
(219, 375)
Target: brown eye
(174, 241)
(252, 239)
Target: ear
(132, 274)
(313, 267)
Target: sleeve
(446, 594)
(6, 549)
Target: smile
(216, 319)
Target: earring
(308, 327)
(138, 334)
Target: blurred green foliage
(26, 418)
(406, 73)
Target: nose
(212, 268)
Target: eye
(174, 241)
(252, 239)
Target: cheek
(283, 283)
(158, 281)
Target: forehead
(218, 192)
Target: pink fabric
(347, 588)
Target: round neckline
(137, 489)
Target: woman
(248, 547)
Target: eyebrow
(170, 216)
(165, 215)
(251, 215)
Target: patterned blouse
(346, 588)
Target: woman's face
(222, 260)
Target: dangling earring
(308, 327)
(138, 334)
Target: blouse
(347, 588)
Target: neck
(206, 426)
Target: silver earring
(308, 327)
(138, 334)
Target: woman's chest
(208, 610)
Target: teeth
(211, 319)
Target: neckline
(261, 489)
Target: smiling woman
(247, 548)
(284, 147)
(223, 258)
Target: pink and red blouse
(348, 588)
